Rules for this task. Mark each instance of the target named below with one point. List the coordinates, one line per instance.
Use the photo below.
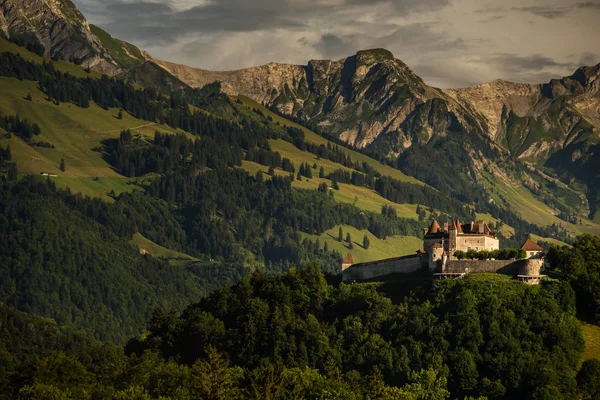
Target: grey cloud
(552, 12)
(546, 12)
(334, 46)
(149, 21)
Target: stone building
(440, 243)
(532, 249)
(455, 236)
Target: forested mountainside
(222, 182)
(519, 132)
(160, 240)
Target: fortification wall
(508, 267)
(370, 270)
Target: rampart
(507, 267)
(373, 269)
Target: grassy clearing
(591, 335)
(310, 136)
(537, 238)
(364, 198)
(394, 246)
(74, 132)
(158, 251)
(61, 65)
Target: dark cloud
(552, 12)
(334, 46)
(449, 43)
(152, 21)
(546, 12)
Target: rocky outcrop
(61, 29)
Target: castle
(440, 244)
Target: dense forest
(295, 336)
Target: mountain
(373, 101)
(57, 28)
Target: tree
(29, 98)
(8, 154)
(62, 164)
(120, 116)
(366, 242)
(321, 173)
(335, 185)
(348, 238)
(12, 172)
(271, 171)
(588, 380)
(340, 235)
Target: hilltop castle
(440, 243)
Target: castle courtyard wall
(530, 267)
(370, 270)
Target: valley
(281, 231)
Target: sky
(449, 43)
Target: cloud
(552, 12)
(448, 43)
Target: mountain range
(531, 136)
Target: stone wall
(369, 270)
(508, 267)
(530, 267)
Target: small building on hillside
(532, 249)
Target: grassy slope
(533, 210)
(158, 251)
(75, 132)
(310, 136)
(394, 246)
(61, 65)
(125, 53)
(362, 197)
(506, 230)
(591, 335)
(537, 238)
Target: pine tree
(29, 97)
(321, 173)
(349, 241)
(308, 171)
(326, 247)
(120, 116)
(340, 235)
(8, 154)
(271, 171)
(366, 242)
(62, 164)
(12, 172)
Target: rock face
(525, 134)
(61, 29)
(373, 100)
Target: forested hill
(295, 336)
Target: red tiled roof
(348, 259)
(530, 245)
(436, 245)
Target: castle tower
(435, 256)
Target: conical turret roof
(435, 227)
